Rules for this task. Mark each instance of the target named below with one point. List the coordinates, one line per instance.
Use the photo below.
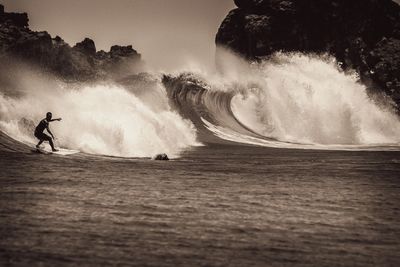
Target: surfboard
(61, 151)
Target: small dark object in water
(162, 156)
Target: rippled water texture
(218, 205)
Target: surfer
(39, 131)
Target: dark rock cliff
(362, 34)
(79, 63)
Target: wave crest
(291, 98)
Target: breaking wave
(291, 100)
(287, 101)
(103, 119)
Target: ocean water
(289, 162)
(217, 205)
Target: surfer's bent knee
(43, 137)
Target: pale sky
(167, 33)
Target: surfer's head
(49, 115)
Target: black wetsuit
(39, 131)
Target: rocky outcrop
(162, 156)
(18, 19)
(362, 34)
(79, 63)
(87, 46)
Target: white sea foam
(100, 119)
(290, 100)
(306, 99)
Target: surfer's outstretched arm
(48, 128)
(59, 119)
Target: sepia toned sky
(168, 33)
